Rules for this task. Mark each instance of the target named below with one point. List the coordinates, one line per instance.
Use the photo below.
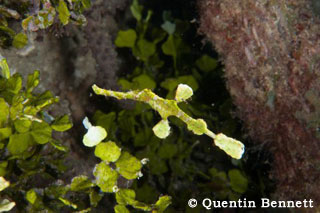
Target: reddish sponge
(271, 52)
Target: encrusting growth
(167, 108)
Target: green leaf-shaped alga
(238, 182)
(136, 10)
(206, 63)
(143, 81)
(169, 27)
(5, 72)
(68, 203)
(33, 81)
(22, 126)
(3, 168)
(80, 183)
(6, 205)
(41, 132)
(162, 129)
(126, 38)
(4, 112)
(94, 136)
(61, 124)
(144, 49)
(57, 144)
(106, 177)
(95, 197)
(121, 209)
(125, 197)
(18, 143)
(105, 120)
(167, 150)
(3, 184)
(5, 133)
(20, 40)
(14, 83)
(163, 203)
(108, 151)
(31, 196)
(64, 13)
(128, 166)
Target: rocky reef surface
(271, 51)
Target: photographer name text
(244, 203)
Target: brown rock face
(271, 52)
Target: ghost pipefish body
(166, 108)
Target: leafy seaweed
(25, 136)
(115, 164)
(38, 15)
